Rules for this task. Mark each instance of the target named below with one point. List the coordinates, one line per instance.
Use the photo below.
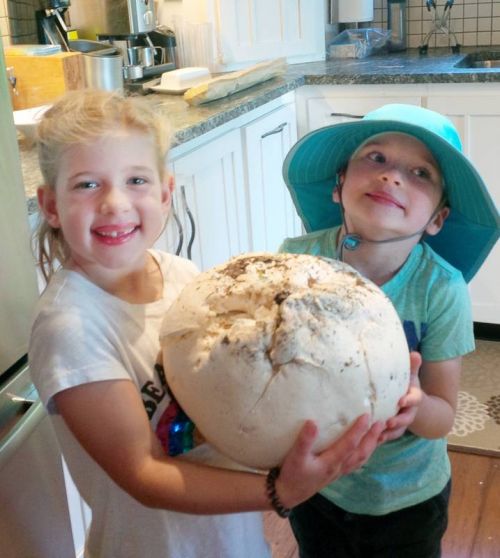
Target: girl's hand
(304, 472)
(408, 404)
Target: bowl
(26, 120)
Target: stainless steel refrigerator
(34, 515)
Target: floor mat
(477, 422)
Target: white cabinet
(248, 31)
(253, 30)
(229, 186)
(271, 212)
(476, 113)
(210, 188)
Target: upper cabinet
(244, 32)
(253, 30)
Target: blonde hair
(81, 117)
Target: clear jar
(396, 23)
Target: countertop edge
(242, 103)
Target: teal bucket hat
(311, 166)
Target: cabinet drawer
(325, 111)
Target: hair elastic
(278, 507)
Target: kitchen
(230, 131)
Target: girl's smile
(114, 234)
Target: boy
(368, 192)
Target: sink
(481, 59)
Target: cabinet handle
(191, 221)
(276, 130)
(179, 229)
(346, 114)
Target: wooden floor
(474, 527)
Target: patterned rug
(477, 423)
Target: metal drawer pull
(276, 130)
(346, 114)
(179, 229)
(29, 418)
(191, 221)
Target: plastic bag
(358, 43)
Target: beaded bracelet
(278, 507)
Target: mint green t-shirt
(432, 300)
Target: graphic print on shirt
(412, 338)
(175, 430)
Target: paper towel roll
(355, 10)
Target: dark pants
(324, 530)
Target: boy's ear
(339, 180)
(47, 202)
(438, 221)
(167, 189)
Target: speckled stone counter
(409, 67)
(438, 66)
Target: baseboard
(488, 332)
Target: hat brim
(311, 166)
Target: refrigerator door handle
(17, 434)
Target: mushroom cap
(254, 347)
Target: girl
(94, 352)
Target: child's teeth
(115, 234)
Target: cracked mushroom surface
(254, 347)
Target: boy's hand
(408, 404)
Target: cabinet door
(477, 118)
(271, 211)
(252, 30)
(210, 188)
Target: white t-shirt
(83, 334)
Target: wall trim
(489, 332)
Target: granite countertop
(187, 122)
(438, 66)
(408, 67)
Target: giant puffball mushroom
(254, 347)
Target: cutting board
(42, 79)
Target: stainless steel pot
(102, 64)
(103, 71)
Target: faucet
(441, 24)
(12, 79)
